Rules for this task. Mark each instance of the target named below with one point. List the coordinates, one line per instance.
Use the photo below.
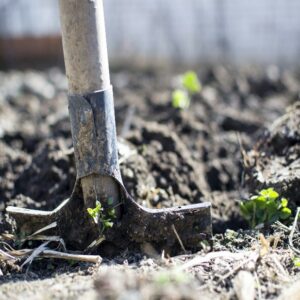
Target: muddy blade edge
(166, 228)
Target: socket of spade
(92, 119)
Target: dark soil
(171, 157)
(275, 161)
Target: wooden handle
(86, 62)
(84, 44)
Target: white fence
(185, 31)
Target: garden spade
(99, 183)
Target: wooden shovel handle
(87, 69)
(84, 44)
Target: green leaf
(284, 202)
(107, 223)
(111, 212)
(246, 209)
(191, 82)
(261, 202)
(273, 217)
(180, 99)
(94, 212)
(91, 212)
(296, 261)
(272, 211)
(261, 199)
(271, 205)
(285, 213)
(245, 214)
(265, 208)
(261, 216)
(269, 193)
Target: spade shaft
(87, 69)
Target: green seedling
(94, 212)
(191, 82)
(189, 85)
(98, 215)
(180, 99)
(265, 208)
(296, 262)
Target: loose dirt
(235, 138)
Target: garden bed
(219, 150)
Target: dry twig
(179, 239)
(69, 256)
(291, 235)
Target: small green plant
(98, 215)
(180, 99)
(189, 85)
(94, 212)
(265, 208)
(191, 82)
(296, 261)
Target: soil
(275, 159)
(237, 136)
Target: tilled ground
(176, 158)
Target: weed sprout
(189, 85)
(180, 99)
(296, 261)
(265, 208)
(191, 82)
(98, 215)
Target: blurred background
(155, 32)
